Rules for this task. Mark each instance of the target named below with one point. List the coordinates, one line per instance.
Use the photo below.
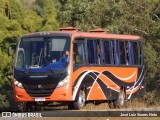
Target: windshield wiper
(39, 60)
(40, 56)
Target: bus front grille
(39, 90)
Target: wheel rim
(81, 99)
(121, 99)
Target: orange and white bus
(74, 68)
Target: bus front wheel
(79, 102)
(27, 106)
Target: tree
(46, 9)
(32, 21)
(2, 6)
(50, 22)
(81, 14)
(14, 10)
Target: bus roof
(84, 34)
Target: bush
(3, 101)
(151, 98)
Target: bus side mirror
(10, 48)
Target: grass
(136, 103)
(131, 104)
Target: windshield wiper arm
(40, 56)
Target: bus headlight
(18, 84)
(63, 82)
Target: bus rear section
(108, 70)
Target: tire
(79, 102)
(121, 99)
(111, 104)
(71, 106)
(27, 106)
(22, 106)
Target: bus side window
(117, 52)
(135, 53)
(112, 52)
(140, 53)
(131, 53)
(122, 52)
(127, 53)
(106, 57)
(98, 52)
(91, 51)
(79, 53)
(94, 51)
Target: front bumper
(60, 94)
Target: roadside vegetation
(18, 17)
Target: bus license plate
(40, 99)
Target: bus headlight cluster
(18, 84)
(63, 82)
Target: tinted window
(122, 52)
(135, 53)
(94, 51)
(117, 58)
(79, 53)
(106, 53)
(140, 53)
(90, 48)
(127, 53)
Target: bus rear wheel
(121, 99)
(79, 102)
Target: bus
(73, 68)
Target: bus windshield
(43, 53)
